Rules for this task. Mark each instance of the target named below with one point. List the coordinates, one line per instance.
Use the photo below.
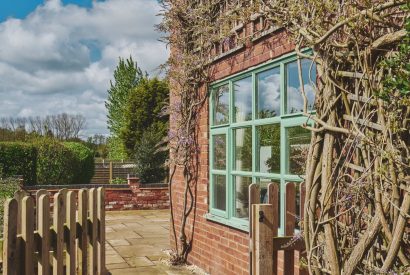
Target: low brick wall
(137, 197)
(131, 196)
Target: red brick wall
(137, 198)
(132, 197)
(216, 248)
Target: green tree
(126, 76)
(116, 150)
(98, 144)
(151, 156)
(144, 110)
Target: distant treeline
(61, 126)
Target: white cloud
(48, 64)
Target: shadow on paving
(135, 243)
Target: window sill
(223, 221)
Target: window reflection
(242, 196)
(219, 195)
(243, 99)
(219, 145)
(268, 148)
(243, 149)
(294, 99)
(269, 93)
(298, 147)
(221, 105)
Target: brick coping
(106, 186)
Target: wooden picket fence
(263, 230)
(69, 239)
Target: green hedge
(56, 164)
(47, 161)
(18, 158)
(85, 162)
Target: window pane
(242, 196)
(268, 148)
(263, 183)
(243, 149)
(294, 99)
(219, 147)
(298, 146)
(221, 105)
(219, 196)
(243, 99)
(269, 93)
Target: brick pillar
(134, 183)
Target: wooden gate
(263, 230)
(65, 236)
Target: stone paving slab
(136, 241)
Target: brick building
(249, 133)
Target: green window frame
(231, 126)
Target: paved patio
(135, 243)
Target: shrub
(56, 164)
(17, 158)
(85, 162)
(150, 156)
(118, 181)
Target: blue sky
(59, 55)
(21, 8)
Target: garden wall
(132, 196)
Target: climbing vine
(357, 210)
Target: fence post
(10, 237)
(38, 195)
(262, 240)
(273, 199)
(254, 194)
(101, 230)
(290, 206)
(27, 232)
(111, 171)
(58, 221)
(302, 188)
(43, 227)
(19, 195)
(83, 225)
(93, 249)
(71, 226)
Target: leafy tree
(126, 77)
(116, 149)
(144, 110)
(151, 156)
(98, 143)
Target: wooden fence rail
(62, 237)
(106, 172)
(263, 230)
